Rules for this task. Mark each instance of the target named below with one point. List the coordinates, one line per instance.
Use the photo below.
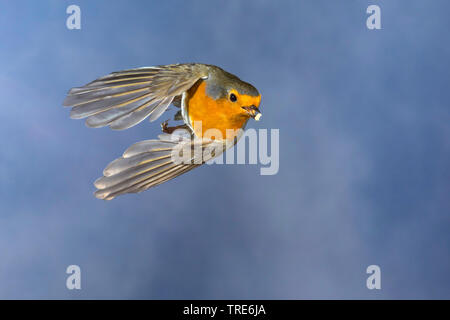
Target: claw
(165, 126)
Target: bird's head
(241, 98)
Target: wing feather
(147, 164)
(123, 99)
(137, 115)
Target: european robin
(214, 105)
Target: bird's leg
(166, 129)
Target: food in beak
(253, 111)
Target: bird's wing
(151, 162)
(125, 98)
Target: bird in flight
(214, 106)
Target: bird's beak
(253, 111)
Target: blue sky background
(364, 154)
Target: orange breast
(205, 113)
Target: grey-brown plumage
(122, 99)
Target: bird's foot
(166, 129)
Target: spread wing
(122, 99)
(151, 162)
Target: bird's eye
(233, 97)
